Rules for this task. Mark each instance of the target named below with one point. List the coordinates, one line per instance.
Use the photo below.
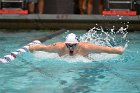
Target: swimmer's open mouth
(71, 53)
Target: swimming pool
(48, 73)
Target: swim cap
(71, 38)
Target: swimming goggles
(71, 45)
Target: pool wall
(67, 21)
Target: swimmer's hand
(36, 47)
(120, 50)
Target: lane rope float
(12, 55)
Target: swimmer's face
(70, 46)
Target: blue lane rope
(12, 55)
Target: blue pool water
(48, 73)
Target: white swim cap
(71, 38)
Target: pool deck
(67, 21)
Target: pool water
(48, 73)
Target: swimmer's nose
(71, 48)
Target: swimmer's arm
(48, 48)
(106, 49)
(39, 47)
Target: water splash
(110, 38)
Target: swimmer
(72, 47)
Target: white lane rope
(12, 55)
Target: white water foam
(102, 56)
(66, 58)
(74, 59)
(44, 55)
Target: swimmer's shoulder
(85, 43)
(59, 44)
